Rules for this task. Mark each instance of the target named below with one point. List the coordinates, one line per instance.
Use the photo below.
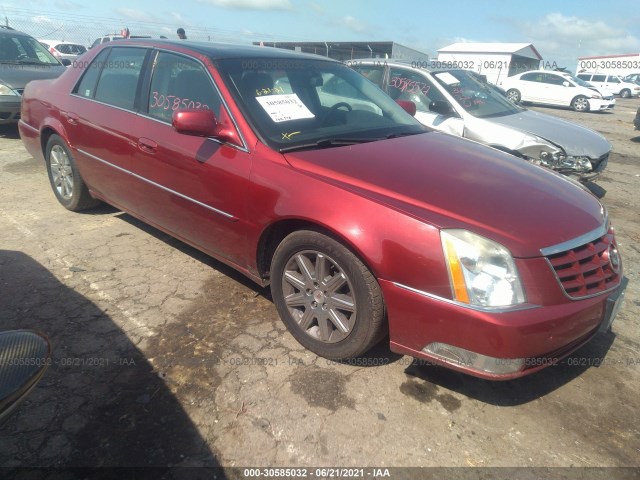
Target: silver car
(460, 102)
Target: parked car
(364, 224)
(633, 78)
(64, 50)
(614, 83)
(461, 103)
(114, 36)
(22, 59)
(554, 88)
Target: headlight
(595, 95)
(481, 271)
(6, 90)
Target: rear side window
(599, 78)
(179, 82)
(582, 76)
(613, 79)
(118, 80)
(87, 85)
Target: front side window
(475, 95)
(308, 103)
(532, 77)
(118, 80)
(412, 86)
(179, 82)
(599, 78)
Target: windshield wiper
(404, 134)
(328, 143)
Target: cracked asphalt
(164, 357)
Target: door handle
(72, 118)
(147, 145)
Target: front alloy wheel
(328, 299)
(580, 104)
(319, 296)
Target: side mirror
(203, 123)
(408, 106)
(65, 61)
(566, 84)
(441, 107)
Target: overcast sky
(561, 30)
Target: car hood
(572, 138)
(17, 76)
(451, 182)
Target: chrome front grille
(589, 269)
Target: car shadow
(636, 139)
(100, 403)
(196, 254)
(522, 390)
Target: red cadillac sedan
(300, 173)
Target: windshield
(305, 103)
(24, 50)
(580, 82)
(476, 96)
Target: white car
(462, 103)
(555, 88)
(614, 83)
(61, 49)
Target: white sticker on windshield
(282, 108)
(447, 78)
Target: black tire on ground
(625, 93)
(327, 298)
(64, 177)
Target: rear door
(102, 108)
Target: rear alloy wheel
(625, 93)
(64, 177)
(328, 299)
(514, 95)
(580, 104)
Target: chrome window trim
(162, 187)
(507, 309)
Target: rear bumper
(535, 336)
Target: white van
(611, 82)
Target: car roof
(58, 41)
(218, 51)
(8, 31)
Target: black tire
(625, 93)
(580, 104)
(514, 95)
(64, 177)
(345, 281)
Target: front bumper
(9, 112)
(596, 104)
(529, 338)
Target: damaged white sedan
(460, 102)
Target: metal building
(495, 60)
(622, 65)
(344, 51)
